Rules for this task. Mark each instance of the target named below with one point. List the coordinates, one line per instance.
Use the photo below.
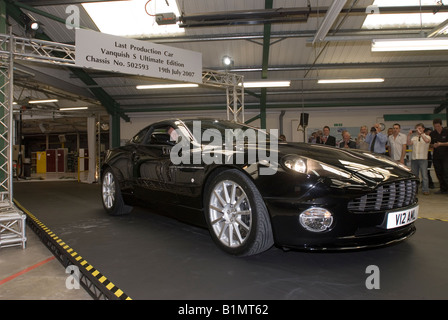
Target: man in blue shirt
(376, 140)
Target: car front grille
(387, 196)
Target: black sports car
(253, 191)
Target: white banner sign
(111, 53)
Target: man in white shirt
(419, 158)
(397, 144)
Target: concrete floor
(34, 273)
(153, 257)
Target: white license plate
(401, 218)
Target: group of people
(395, 143)
(324, 137)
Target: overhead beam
(355, 33)
(329, 19)
(316, 66)
(443, 106)
(32, 9)
(50, 80)
(182, 96)
(341, 103)
(438, 29)
(410, 117)
(59, 2)
(242, 17)
(282, 15)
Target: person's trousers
(441, 169)
(420, 167)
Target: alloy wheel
(230, 213)
(108, 190)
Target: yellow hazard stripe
(94, 272)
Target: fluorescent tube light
(167, 86)
(43, 101)
(411, 44)
(366, 80)
(381, 20)
(265, 84)
(133, 18)
(74, 108)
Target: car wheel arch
(118, 174)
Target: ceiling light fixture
(137, 18)
(379, 17)
(167, 86)
(43, 101)
(34, 25)
(365, 80)
(265, 84)
(74, 108)
(411, 44)
(227, 61)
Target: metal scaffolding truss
(12, 220)
(38, 50)
(19, 48)
(12, 227)
(6, 94)
(233, 84)
(64, 54)
(4, 131)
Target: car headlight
(316, 219)
(313, 167)
(296, 164)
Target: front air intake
(387, 196)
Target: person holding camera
(419, 157)
(376, 140)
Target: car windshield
(198, 127)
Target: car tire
(236, 214)
(111, 196)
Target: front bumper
(349, 231)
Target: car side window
(165, 135)
(139, 138)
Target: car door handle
(135, 157)
(166, 150)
